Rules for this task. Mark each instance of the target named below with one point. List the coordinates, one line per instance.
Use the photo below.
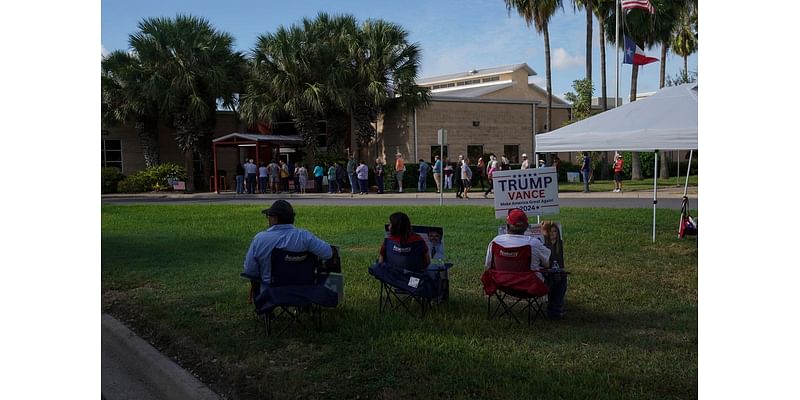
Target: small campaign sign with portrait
(535, 191)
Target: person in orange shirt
(617, 173)
(400, 169)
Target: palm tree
(123, 101)
(386, 67)
(684, 41)
(299, 71)
(190, 67)
(538, 14)
(602, 10)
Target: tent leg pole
(688, 169)
(655, 191)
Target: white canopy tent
(667, 120)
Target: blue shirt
(258, 261)
(424, 168)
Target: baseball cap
(524, 155)
(517, 217)
(280, 208)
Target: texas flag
(635, 55)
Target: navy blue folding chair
(294, 290)
(404, 279)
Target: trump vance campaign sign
(535, 191)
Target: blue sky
(455, 35)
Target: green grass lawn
(628, 185)
(630, 329)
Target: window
(435, 151)
(491, 79)
(511, 151)
(474, 151)
(112, 153)
(444, 85)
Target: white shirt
(525, 164)
(540, 255)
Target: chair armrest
(552, 271)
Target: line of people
(275, 176)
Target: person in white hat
(525, 163)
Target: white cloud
(562, 60)
(104, 52)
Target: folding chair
(403, 278)
(511, 282)
(294, 290)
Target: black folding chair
(403, 278)
(294, 291)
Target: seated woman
(400, 233)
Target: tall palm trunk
(147, 129)
(663, 172)
(602, 28)
(306, 124)
(548, 76)
(636, 167)
(686, 65)
(589, 20)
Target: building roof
(252, 137)
(478, 73)
(472, 91)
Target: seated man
(281, 234)
(517, 224)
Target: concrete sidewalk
(663, 193)
(133, 369)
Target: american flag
(640, 4)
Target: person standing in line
(296, 177)
(284, 176)
(466, 177)
(239, 178)
(340, 181)
(480, 171)
(525, 163)
(586, 170)
(504, 163)
(400, 168)
(318, 173)
(422, 183)
(351, 173)
(362, 173)
(274, 176)
(262, 178)
(333, 186)
(302, 178)
(448, 175)
(457, 175)
(490, 175)
(618, 173)
(437, 173)
(379, 174)
(250, 169)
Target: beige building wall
(499, 124)
(132, 155)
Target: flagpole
(616, 63)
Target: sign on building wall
(535, 191)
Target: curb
(162, 375)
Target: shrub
(153, 178)
(110, 177)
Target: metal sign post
(442, 140)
